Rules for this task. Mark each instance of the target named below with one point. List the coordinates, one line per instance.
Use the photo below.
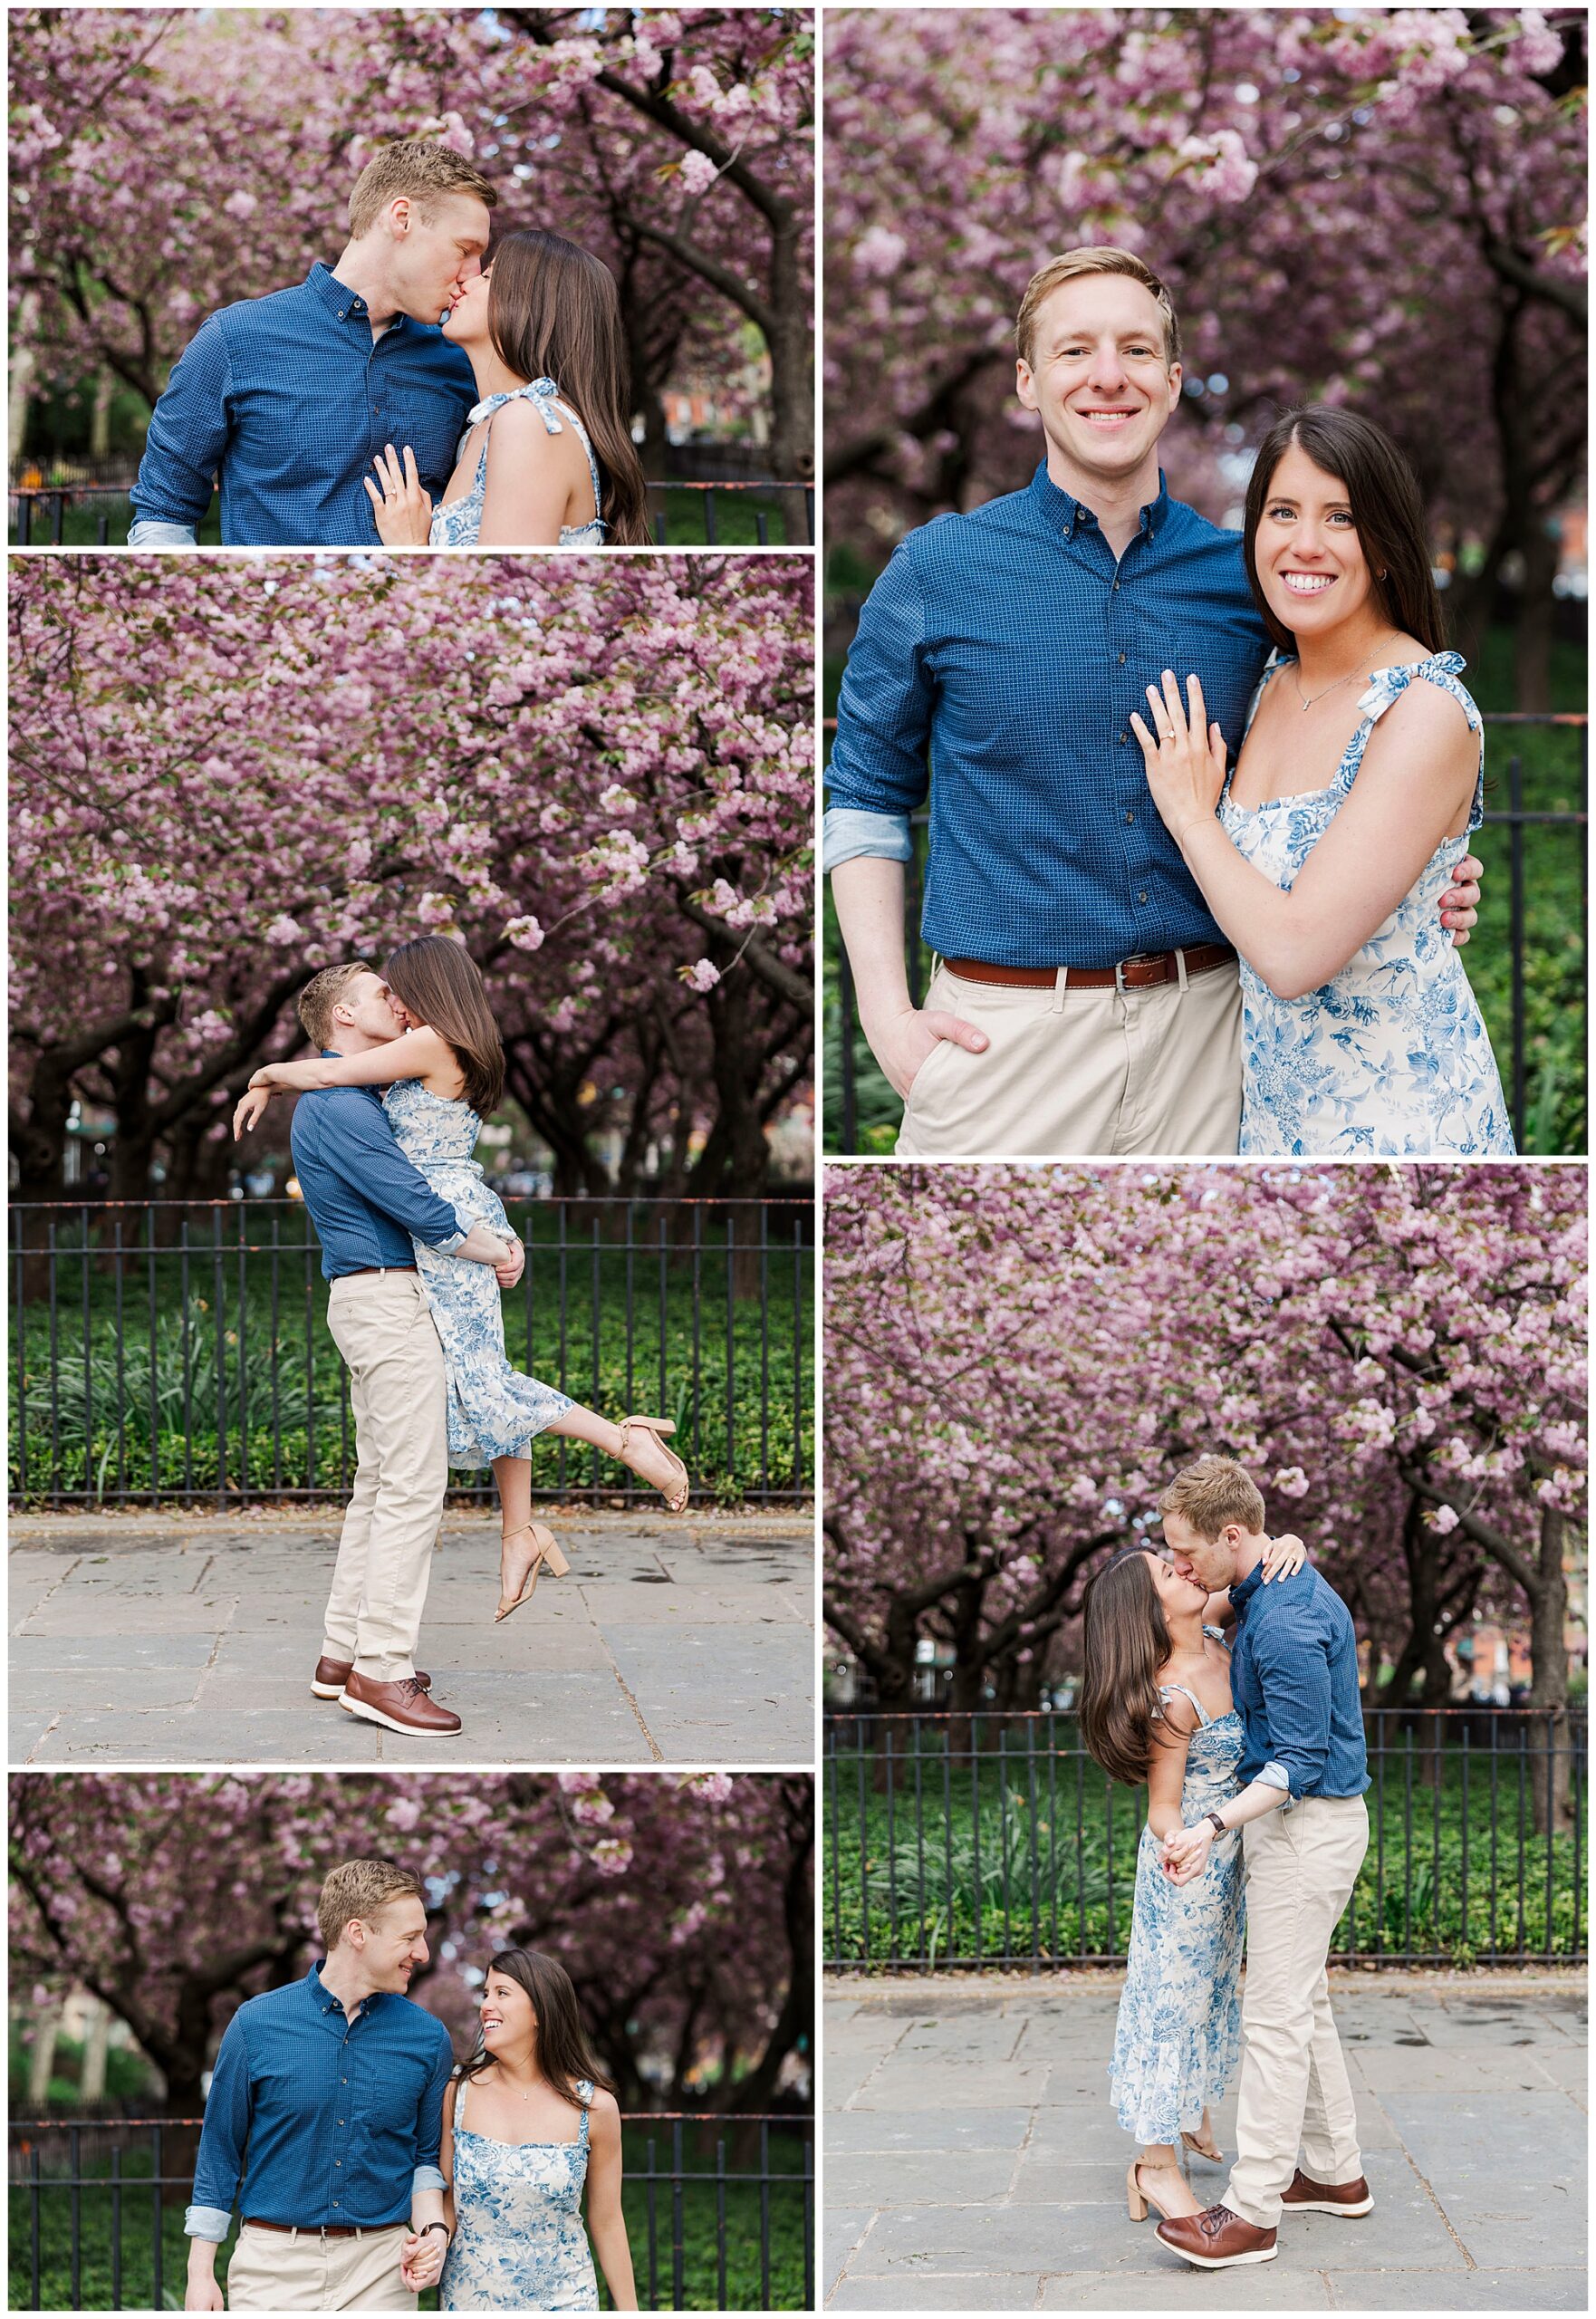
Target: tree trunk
(1532, 642)
(96, 2048)
(42, 2057)
(1549, 1683)
(23, 359)
(792, 384)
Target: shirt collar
(323, 1999)
(1242, 1594)
(1066, 515)
(344, 304)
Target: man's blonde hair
(1076, 265)
(418, 167)
(1213, 1493)
(321, 994)
(358, 1888)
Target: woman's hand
(402, 509)
(421, 2260)
(1186, 763)
(1283, 1558)
(250, 1110)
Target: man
(369, 1205)
(327, 2100)
(1085, 1001)
(289, 399)
(1294, 1671)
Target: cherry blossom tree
(1376, 206)
(679, 1903)
(1018, 1359)
(597, 774)
(676, 144)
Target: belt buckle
(1137, 958)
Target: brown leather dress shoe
(1328, 2198)
(1216, 2239)
(333, 1674)
(403, 1706)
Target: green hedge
(1039, 1857)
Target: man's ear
(1024, 382)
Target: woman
(547, 457)
(542, 2122)
(1326, 853)
(1156, 1705)
(445, 1073)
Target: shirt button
(1130, 817)
(1141, 898)
(1121, 659)
(1116, 588)
(1123, 738)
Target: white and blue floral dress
(493, 1410)
(1390, 1058)
(519, 2243)
(1178, 2034)
(457, 523)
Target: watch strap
(1218, 1823)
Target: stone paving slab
(190, 1639)
(970, 2149)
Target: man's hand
(1185, 1851)
(901, 1044)
(421, 2259)
(201, 2293)
(1459, 905)
(507, 1274)
(250, 1110)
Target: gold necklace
(1311, 700)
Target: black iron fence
(39, 512)
(991, 1841)
(168, 1351)
(720, 2212)
(852, 1057)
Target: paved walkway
(972, 2161)
(190, 1639)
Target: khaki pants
(1300, 1868)
(299, 2270)
(383, 1326)
(1081, 1073)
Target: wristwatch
(426, 2226)
(1218, 1822)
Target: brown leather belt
(358, 1273)
(1130, 974)
(321, 2229)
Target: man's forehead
(1112, 300)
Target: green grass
(137, 1405)
(701, 2289)
(1038, 1857)
(1554, 945)
(737, 520)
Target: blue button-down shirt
(998, 659)
(1293, 1674)
(290, 398)
(368, 1203)
(325, 2119)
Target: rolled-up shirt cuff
(153, 531)
(208, 2222)
(849, 831)
(1277, 1775)
(446, 1247)
(427, 2178)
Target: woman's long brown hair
(1388, 511)
(561, 2050)
(1124, 1642)
(437, 982)
(553, 312)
